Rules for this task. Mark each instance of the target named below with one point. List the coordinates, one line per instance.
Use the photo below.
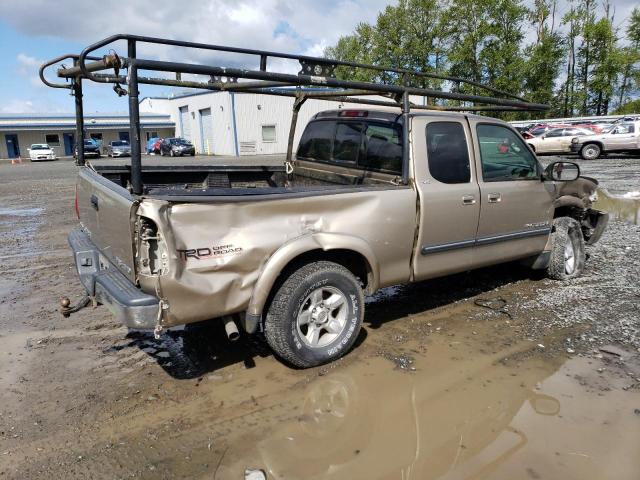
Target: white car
(41, 151)
(557, 140)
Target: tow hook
(66, 309)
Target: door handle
(494, 198)
(468, 200)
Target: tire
(567, 250)
(590, 151)
(171, 154)
(304, 296)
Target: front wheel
(567, 250)
(590, 151)
(315, 315)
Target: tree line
(580, 62)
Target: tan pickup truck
(293, 253)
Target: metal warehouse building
(20, 131)
(226, 123)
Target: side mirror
(562, 171)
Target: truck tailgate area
(105, 210)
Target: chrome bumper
(104, 282)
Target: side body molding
(289, 251)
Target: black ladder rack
(315, 72)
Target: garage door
(185, 124)
(206, 131)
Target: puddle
(620, 207)
(20, 212)
(479, 417)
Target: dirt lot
(498, 373)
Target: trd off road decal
(216, 251)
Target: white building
(224, 123)
(20, 131)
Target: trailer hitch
(66, 309)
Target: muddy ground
(498, 373)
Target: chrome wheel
(322, 316)
(569, 258)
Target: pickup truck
(293, 253)
(624, 136)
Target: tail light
(75, 204)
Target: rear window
(366, 145)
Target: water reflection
(378, 423)
(619, 207)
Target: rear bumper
(103, 281)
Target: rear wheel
(590, 151)
(567, 250)
(171, 153)
(315, 315)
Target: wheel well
(353, 261)
(532, 147)
(569, 211)
(593, 142)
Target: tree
(544, 56)
(631, 58)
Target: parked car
(177, 147)
(91, 149)
(621, 137)
(557, 140)
(119, 148)
(294, 253)
(41, 151)
(544, 128)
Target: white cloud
(28, 67)
(18, 106)
(249, 23)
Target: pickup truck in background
(623, 136)
(293, 252)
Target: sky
(35, 30)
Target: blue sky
(35, 30)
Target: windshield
(180, 141)
(39, 147)
(89, 143)
(120, 143)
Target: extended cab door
(515, 204)
(448, 195)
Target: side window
(447, 152)
(348, 142)
(627, 128)
(504, 156)
(554, 133)
(316, 141)
(383, 148)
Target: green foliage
(581, 68)
(630, 107)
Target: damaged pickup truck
(290, 246)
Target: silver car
(557, 140)
(119, 148)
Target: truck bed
(200, 178)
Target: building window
(96, 136)
(151, 135)
(268, 133)
(52, 139)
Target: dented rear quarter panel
(253, 239)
